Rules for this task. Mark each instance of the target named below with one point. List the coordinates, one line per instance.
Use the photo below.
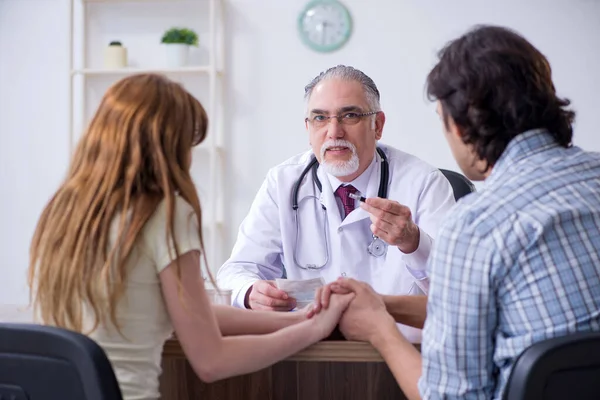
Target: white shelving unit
(83, 72)
(125, 71)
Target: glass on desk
(219, 296)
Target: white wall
(33, 118)
(394, 41)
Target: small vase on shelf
(115, 56)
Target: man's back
(525, 266)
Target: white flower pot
(177, 54)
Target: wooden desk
(328, 370)
(334, 369)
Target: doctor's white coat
(268, 236)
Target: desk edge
(326, 351)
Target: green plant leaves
(180, 35)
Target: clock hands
(322, 28)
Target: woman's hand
(306, 312)
(328, 318)
(322, 297)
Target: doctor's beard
(339, 168)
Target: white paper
(301, 290)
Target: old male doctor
(384, 241)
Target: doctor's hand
(366, 316)
(264, 295)
(392, 222)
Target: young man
(327, 235)
(515, 263)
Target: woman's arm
(215, 357)
(235, 321)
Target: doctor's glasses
(346, 118)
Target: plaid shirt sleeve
(461, 313)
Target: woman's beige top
(142, 314)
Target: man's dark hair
(496, 85)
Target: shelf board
(129, 71)
(131, 1)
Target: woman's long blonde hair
(135, 153)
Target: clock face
(325, 25)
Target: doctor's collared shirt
(516, 263)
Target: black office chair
(41, 362)
(460, 184)
(562, 368)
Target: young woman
(117, 251)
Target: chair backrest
(566, 367)
(41, 362)
(460, 184)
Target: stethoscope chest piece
(377, 248)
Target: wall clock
(325, 25)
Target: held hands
(363, 318)
(264, 295)
(327, 319)
(392, 222)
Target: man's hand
(366, 315)
(264, 295)
(392, 222)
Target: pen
(357, 197)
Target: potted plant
(177, 41)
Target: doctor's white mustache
(337, 143)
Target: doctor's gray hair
(348, 73)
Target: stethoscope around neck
(377, 247)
